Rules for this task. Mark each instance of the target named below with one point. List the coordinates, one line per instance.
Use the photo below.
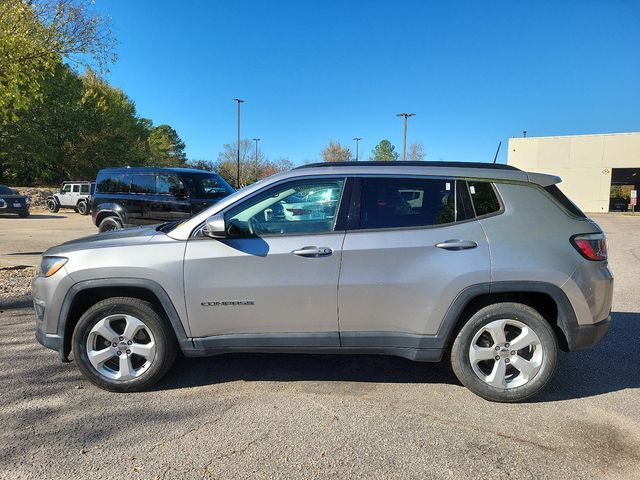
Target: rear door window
(411, 202)
(84, 188)
(142, 184)
(484, 197)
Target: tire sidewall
(524, 314)
(107, 221)
(52, 205)
(82, 207)
(163, 338)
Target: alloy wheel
(506, 353)
(121, 347)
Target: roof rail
(497, 166)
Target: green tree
(166, 148)
(34, 149)
(335, 152)
(384, 152)
(109, 131)
(35, 36)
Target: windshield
(6, 190)
(206, 185)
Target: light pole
(357, 139)
(256, 162)
(404, 142)
(238, 172)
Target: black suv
(147, 195)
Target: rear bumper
(582, 337)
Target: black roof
(152, 170)
(495, 166)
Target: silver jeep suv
(487, 264)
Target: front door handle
(457, 245)
(313, 252)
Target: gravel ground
(304, 416)
(16, 281)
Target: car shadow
(609, 367)
(36, 216)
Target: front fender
(109, 210)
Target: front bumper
(10, 209)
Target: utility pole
(255, 166)
(238, 171)
(404, 142)
(357, 139)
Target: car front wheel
(121, 344)
(52, 205)
(506, 352)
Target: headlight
(51, 265)
(27, 201)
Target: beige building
(588, 165)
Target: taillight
(592, 246)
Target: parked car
(486, 264)
(74, 195)
(12, 202)
(618, 205)
(127, 197)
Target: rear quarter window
(484, 198)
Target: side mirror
(215, 227)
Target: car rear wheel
(108, 224)
(83, 208)
(121, 344)
(506, 352)
(52, 205)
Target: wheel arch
(547, 299)
(105, 210)
(83, 295)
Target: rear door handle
(313, 252)
(457, 245)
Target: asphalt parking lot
(305, 416)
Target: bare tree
(335, 152)
(70, 29)
(416, 152)
(250, 170)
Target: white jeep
(76, 195)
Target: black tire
(24, 214)
(519, 313)
(108, 224)
(83, 207)
(52, 205)
(165, 343)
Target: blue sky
(474, 73)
